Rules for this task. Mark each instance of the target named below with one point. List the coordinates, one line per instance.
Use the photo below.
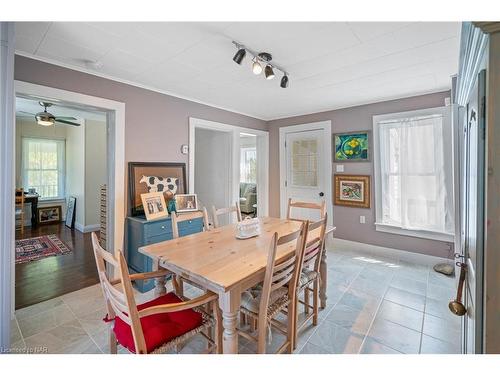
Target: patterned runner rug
(36, 248)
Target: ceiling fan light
(268, 71)
(284, 82)
(256, 67)
(239, 56)
(44, 119)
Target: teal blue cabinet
(140, 232)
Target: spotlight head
(284, 81)
(256, 67)
(239, 56)
(268, 71)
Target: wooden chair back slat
(216, 212)
(321, 207)
(176, 219)
(314, 247)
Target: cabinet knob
(163, 227)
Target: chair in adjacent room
(216, 212)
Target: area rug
(36, 248)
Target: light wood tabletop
(220, 262)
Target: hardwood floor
(51, 277)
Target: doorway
(305, 167)
(217, 171)
(115, 158)
(61, 171)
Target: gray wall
(346, 219)
(156, 125)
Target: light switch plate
(362, 219)
(185, 149)
(340, 167)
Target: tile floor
(375, 305)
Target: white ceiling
(57, 109)
(331, 65)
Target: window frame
(62, 183)
(243, 151)
(382, 226)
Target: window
(414, 173)
(43, 167)
(304, 163)
(248, 164)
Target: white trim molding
(326, 127)
(87, 228)
(7, 180)
(262, 159)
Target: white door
(306, 177)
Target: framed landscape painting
(352, 146)
(352, 191)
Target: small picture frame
(70, 212)
(49, 215)
(352, 191)
(154, 205)
(186, 202)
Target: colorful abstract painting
(354, 146)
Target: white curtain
(415, 168)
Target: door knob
(321, 194)
(456, 306)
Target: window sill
(387, 228)
(51, 200)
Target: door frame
(115, 155)
(262, 160)
(326, 127)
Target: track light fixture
(259, 60)
(256, 67)
(284, 82)
(239, 56)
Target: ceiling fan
(48, 119)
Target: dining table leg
(229, 303)
(323, 274)
(160, 288)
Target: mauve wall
(346, 219)
(156, 125)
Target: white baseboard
(87, 228)
(386, 252)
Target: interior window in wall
(248, 164)
(43, 166)
(414, 173)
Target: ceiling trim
(132, 83)
(164, 92)
(389, 99)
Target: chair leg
(253, 322)
(261, 337)
(315, 302)
(113, 347)
(306, 300)
(291, 326)
(295, 310)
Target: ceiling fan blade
(58, 119)
(26, 113)
(65, 118)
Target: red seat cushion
(159, 328)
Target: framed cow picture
(153, 177)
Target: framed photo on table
(186, 202)
(154, 205)
(352, 190)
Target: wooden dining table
(218, 261)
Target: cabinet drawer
(157, 228)
(190, 226)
